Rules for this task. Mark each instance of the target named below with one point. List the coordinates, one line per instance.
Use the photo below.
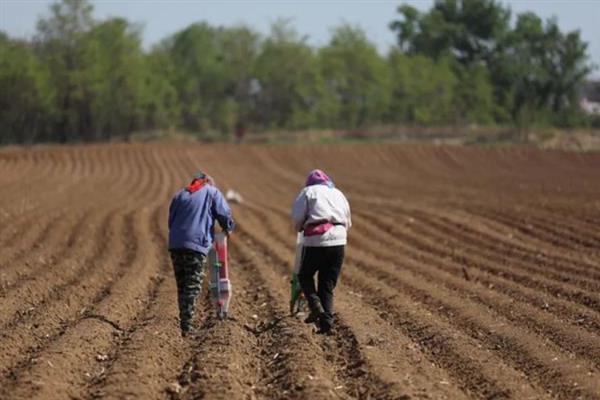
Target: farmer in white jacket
(322, 213)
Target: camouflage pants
(189, 274)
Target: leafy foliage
(357, 76)
(27, 97)
(423, 91)
(461, 62)
(288, 83)
(534, 70)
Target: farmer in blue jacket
(192, 215)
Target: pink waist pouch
(317, 229)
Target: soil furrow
(571, 338)
(467, 373)
(430, 249)
(27, 338)
(517, 249)
(72, 358)
(459, 257)
(455, 264)
(243, 357)
(474, 250)
(33, 269)
(528, 228)
(28, 237)
(470, 273)
(353, 374)
(526, 350)
(470, 232)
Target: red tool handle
(222, 256)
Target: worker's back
(326, 204)
(192, 216)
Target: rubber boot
(325, 324)
(187, 329)
(316, 310)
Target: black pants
(327, 261)
(189, 273)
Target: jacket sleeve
(172, 209)
(299, 211)
(222, 211)
(348, 215)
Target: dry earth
(470, 273)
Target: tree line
(460, 62)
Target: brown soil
(470, 273)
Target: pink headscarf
(318, 177)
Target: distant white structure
(590, 107)
(234, 196)
(590, 97)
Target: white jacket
(319, 203)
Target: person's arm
(172, 209)
(348, 214)
(222, 212)
(299, 211)
(344, 207)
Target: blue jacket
(192, 218)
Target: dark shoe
(325, 324)
(187, 329)
(312, 318)
(324, 328)
(325, 331)
(315, 314)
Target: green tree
(26, 98)
(288, 80)
(59, 44)
(358, 77)
(240, 48)
(160, 106)
(535, 70)
(200, 76)
(112, 78)
(468, 30)
(543, 69)
(422, 90)
(474, 96)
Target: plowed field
(470, 273)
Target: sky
(312, 18)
